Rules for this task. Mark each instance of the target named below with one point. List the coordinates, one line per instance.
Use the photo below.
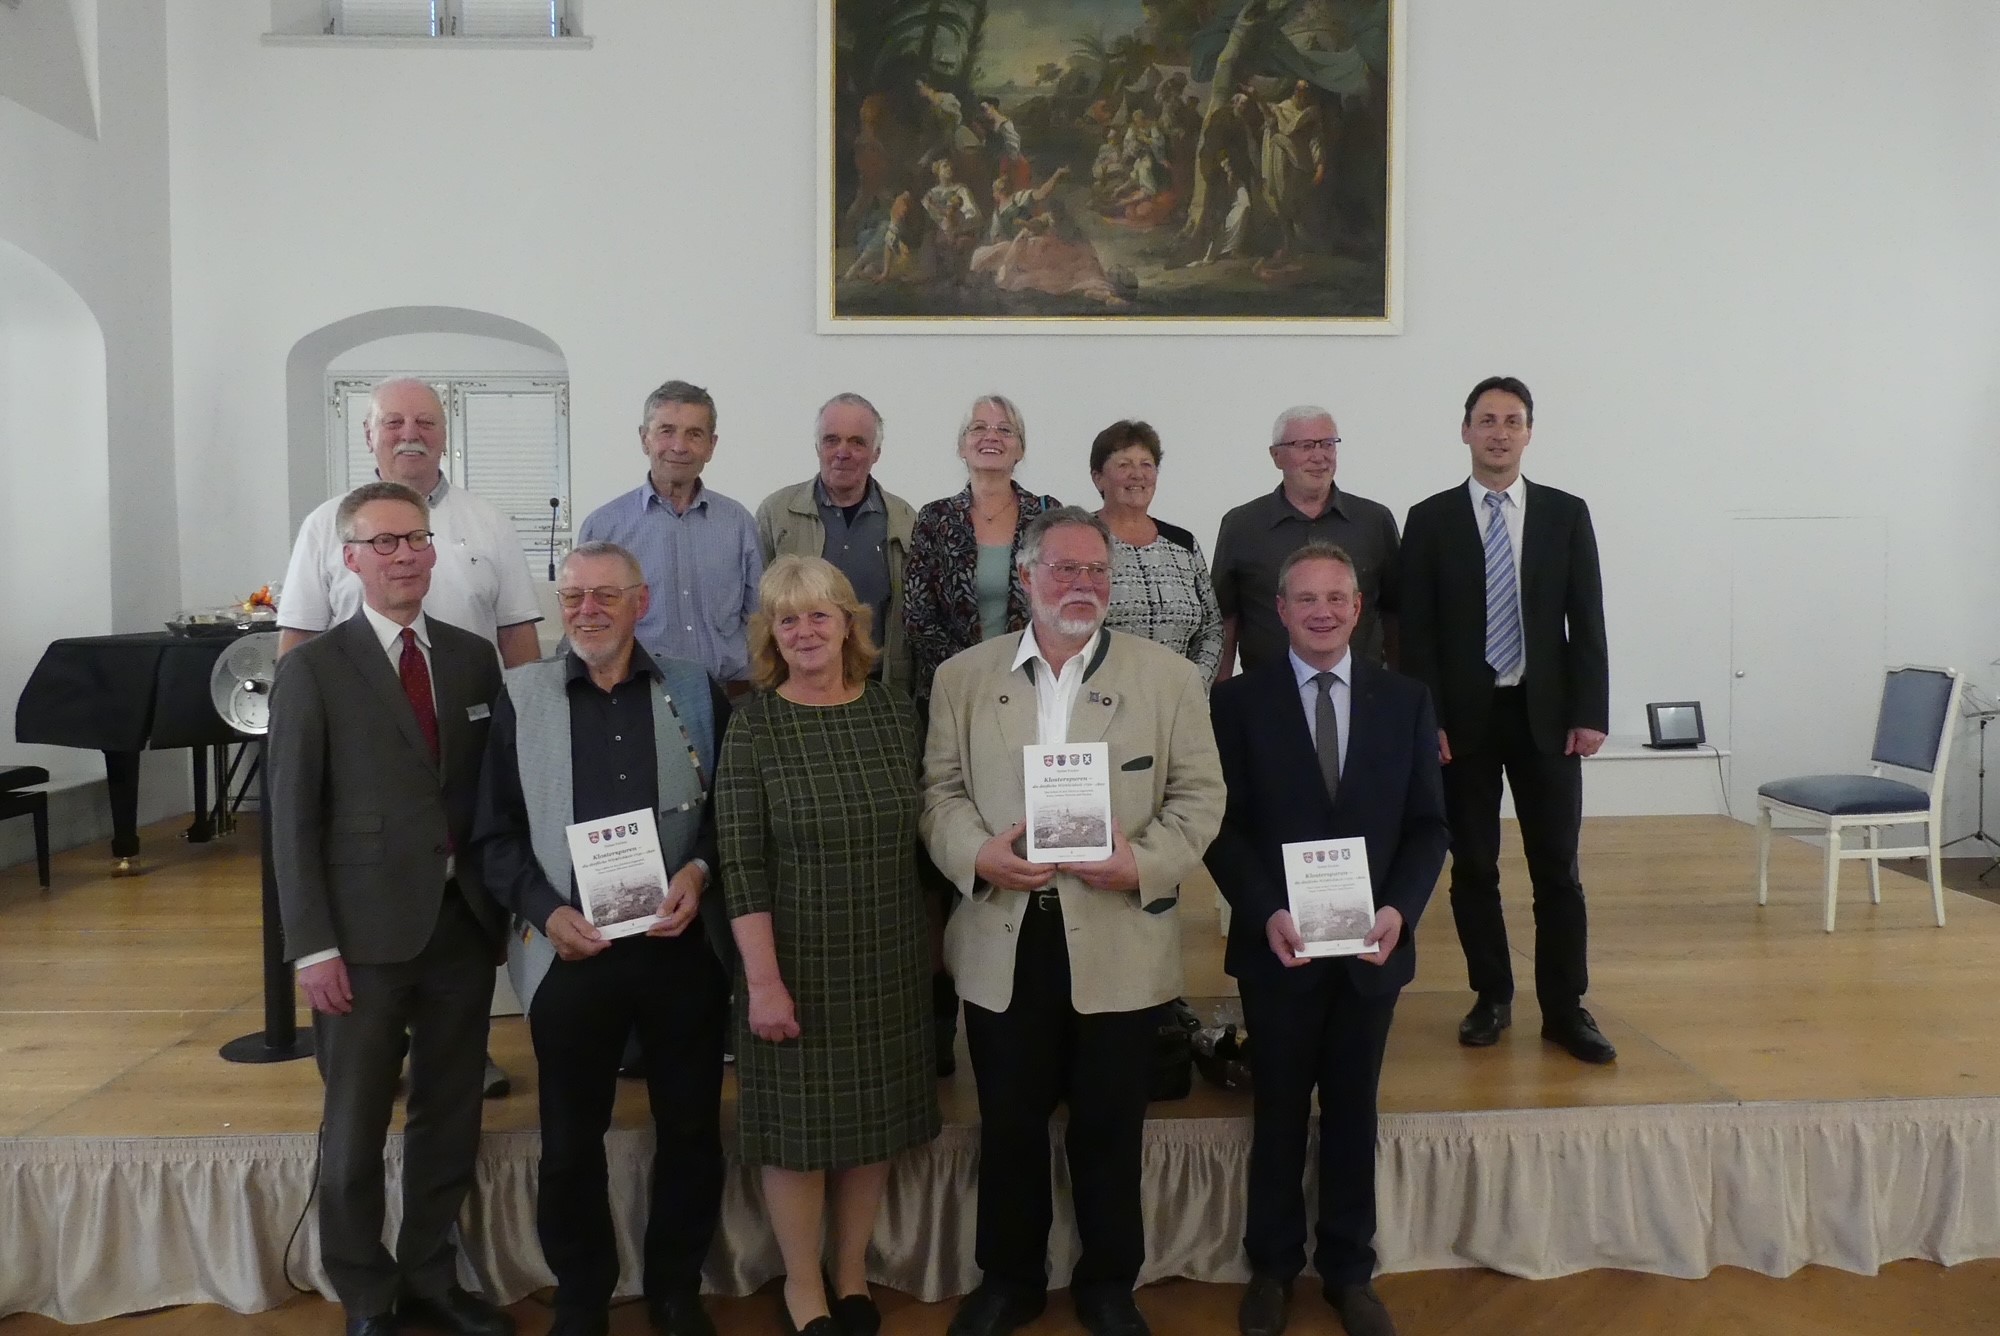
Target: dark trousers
(671, 990)
(1026, 1060)
(1330, 1037)
(436, 1005)
(1548, 801)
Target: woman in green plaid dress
(816, 800)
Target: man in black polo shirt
(603, 732)
(1306, 507)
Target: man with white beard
(1063, 966)
(480, 583)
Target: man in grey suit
(378, 728)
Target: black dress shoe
(1579, 1036)
(856, 1314)
(1482, 1025)
(381, 1324)
(1361, 1310)
(994, 1309)
(456, 1311)
(681, 1315)
(575, 1323)
(1266, 1306)
(1109, 1312)
(498, 1085)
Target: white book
(1333, 903)
(1069, 803)
(621, 876)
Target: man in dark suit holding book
(378, 730)
(1503, 618)
(1321, 745)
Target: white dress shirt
(1342, 693)
(1055, 692)
(1514, 509)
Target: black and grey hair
(1506, 384)
(603, 548)
(851, 400)
(1061, 517)
(677, 392)
(350, 505)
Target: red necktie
(416, 675)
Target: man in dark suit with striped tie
(1320, 745)
(1503, 617)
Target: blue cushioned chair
(1912, 732)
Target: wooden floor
(1906, 1299)
(116, 993)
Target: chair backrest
(1914, 726)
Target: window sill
(321, 39)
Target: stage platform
(1782, 1097)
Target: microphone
(555, 509)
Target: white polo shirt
(480, 582)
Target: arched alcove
(48, 61)
(448, 338)
(55, 482)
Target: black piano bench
(14, 802)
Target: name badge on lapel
(474, 713)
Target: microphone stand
(555, 510)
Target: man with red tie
(378, 729)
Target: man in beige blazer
(1063, 966)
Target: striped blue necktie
(1503, 594)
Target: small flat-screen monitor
(1675, 723)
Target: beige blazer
(1148, 703)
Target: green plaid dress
(817, 810)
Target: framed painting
(1124, 166)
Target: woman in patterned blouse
(1160, 588)
(959, 589)
(959, 585)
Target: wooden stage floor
(116, 993)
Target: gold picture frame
(1113, 166)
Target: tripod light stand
(1980, 706)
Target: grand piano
(124, 694)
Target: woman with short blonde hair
(795, 583)
(816, 805)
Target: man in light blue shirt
(698, 548)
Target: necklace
(1006, 505)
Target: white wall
(1743, 254)
(55, 529)
(461, 354)
(87, 371)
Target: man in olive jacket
(847, 517)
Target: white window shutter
(353, 397)
(516, 452)
(509, 18)
(386, 18)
